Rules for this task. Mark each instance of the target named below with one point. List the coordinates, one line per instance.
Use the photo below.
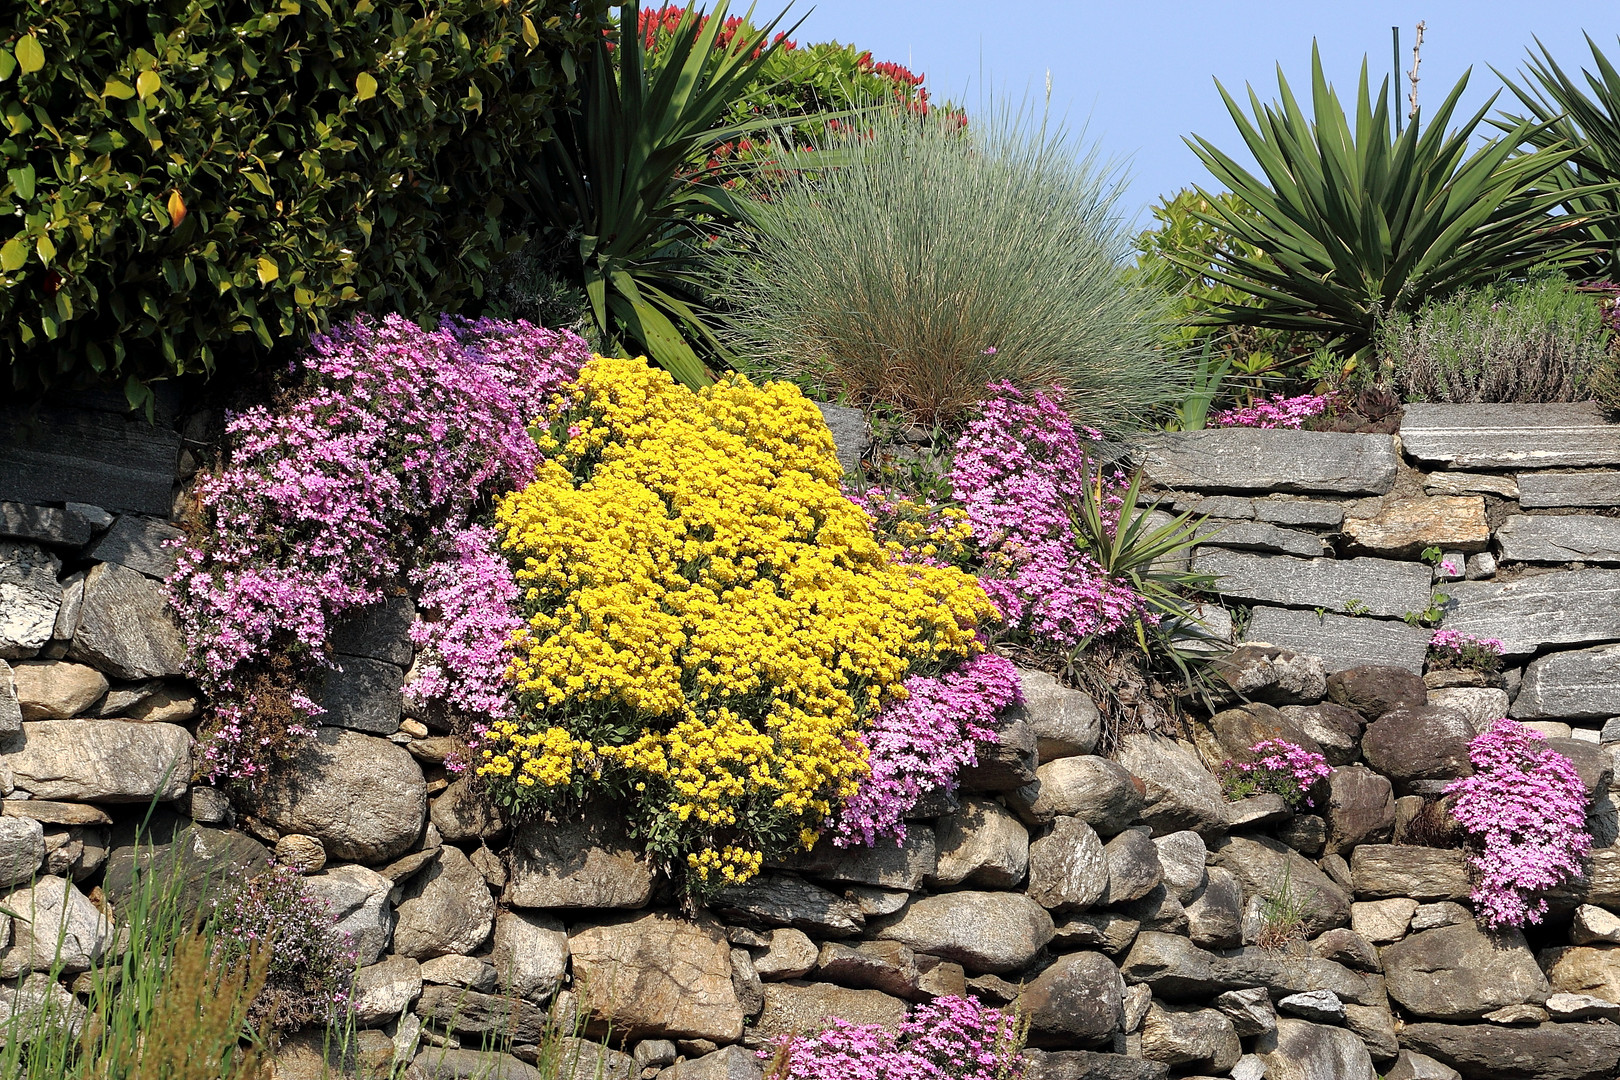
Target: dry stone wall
(1121, 901)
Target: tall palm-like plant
(622, 179)
(1355, 221)
(1565, 117)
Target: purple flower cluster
(470, 597)
(949, 1038)
(311, 962)
(920, 744)
(1525, 807)
(1280, 767)
(1450, 649)
(1020, 468)
(392, 434)
(1277, 412)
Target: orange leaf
(177, 209)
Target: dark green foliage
(1353, 223)
(190, 179)
(1589, 126)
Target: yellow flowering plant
(710, 624)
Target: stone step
(1589, 487)
(1563, 607)
(1510, 436)
(1547, 538)
(1266, 460)
(1342, 642)
(1383, 587)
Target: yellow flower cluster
(693, 577)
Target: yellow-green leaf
(30, 57)
(531, 36)
(268, 270)
(177, 209)
(147, 83)
(365, 86)
(13, 254)
(46, 249)
(120, 90)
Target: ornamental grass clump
(709, 624)
(387, 440)
(1525, 811)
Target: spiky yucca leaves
(1356, 222)
(1565, 117)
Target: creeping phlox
(709, 623)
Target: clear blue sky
(1140, 72)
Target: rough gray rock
(1461, 973)
(56, 689)
(1564, 607)
(1300, 1050)
(1254, 459)
(464, 815)
(1516, 436)
(1579, 684)
(726, 1063)
(1424, 743)
(1548, 538)
(806, 1009)
(447, 1063)
(457, 970)
(125, 626)
(1410, 1065)
(586, 864)
(1066, 722)
(379, 632)
(55, 926)
(1593, 924)
(1110, 931)
(658, 976)
(1479, 705)
(384, 991)
(1008, 763)
(851, 434)
(1341, 641)
(365, 695)
(1593, 487)
(1305, 513)
(1382, 921)
(530, 953)
(90, 456)
(1317, 1006)
(1402, 528)
(1090, 1065)
(1387, 588)
(1360, 809)
(1215, 912)
(99, 761)
(980, 844)
(885, 865)
(789, 955)
(10, 707)
(199, 856)
(363, 797)
(445, 910)
(1098, 791)
(1068, 868)
(1133, 867)
(1267, 868)
(141, 544)
(358, 900)
(1189, 1038)
(1388, 871)
(43, 524)
(1230, 733)
(1373, 690)
(1273, 675)
(486, 1016)
(1250, 1011)
(1545, 1052)
(1592, 971)
(30, 599)
(1075, 1002)
(982, 931)
(1181, 793)
(22, 849)
(1182, 856)
(1261, 536)
(1334, 728)
(781, 900)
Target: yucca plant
(1355, 222)
(621, 179)
(1563, 116)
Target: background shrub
(933, 261)
(187, 178)
(1538, 340)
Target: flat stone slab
(140, 544)
(1580, 684)
(1261, 536)
(1402, 529)
(1303, 513)
(1342, 642)
(1462, 483)
(1589, 487)
(1265, 460)
(1510, 436)
(363, 696)
(1565, 607)
(89, 457)
(45, 524)
(1385, 587)
(1548, 538)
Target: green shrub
(190, 178)
(933, 260)
(1538, 340)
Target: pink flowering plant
(1525, 810)
(949, 1038)
(1278, 767)
(1453, 651)
(918, 745)
(390, 437)
(312, 963)
(1275, 412)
